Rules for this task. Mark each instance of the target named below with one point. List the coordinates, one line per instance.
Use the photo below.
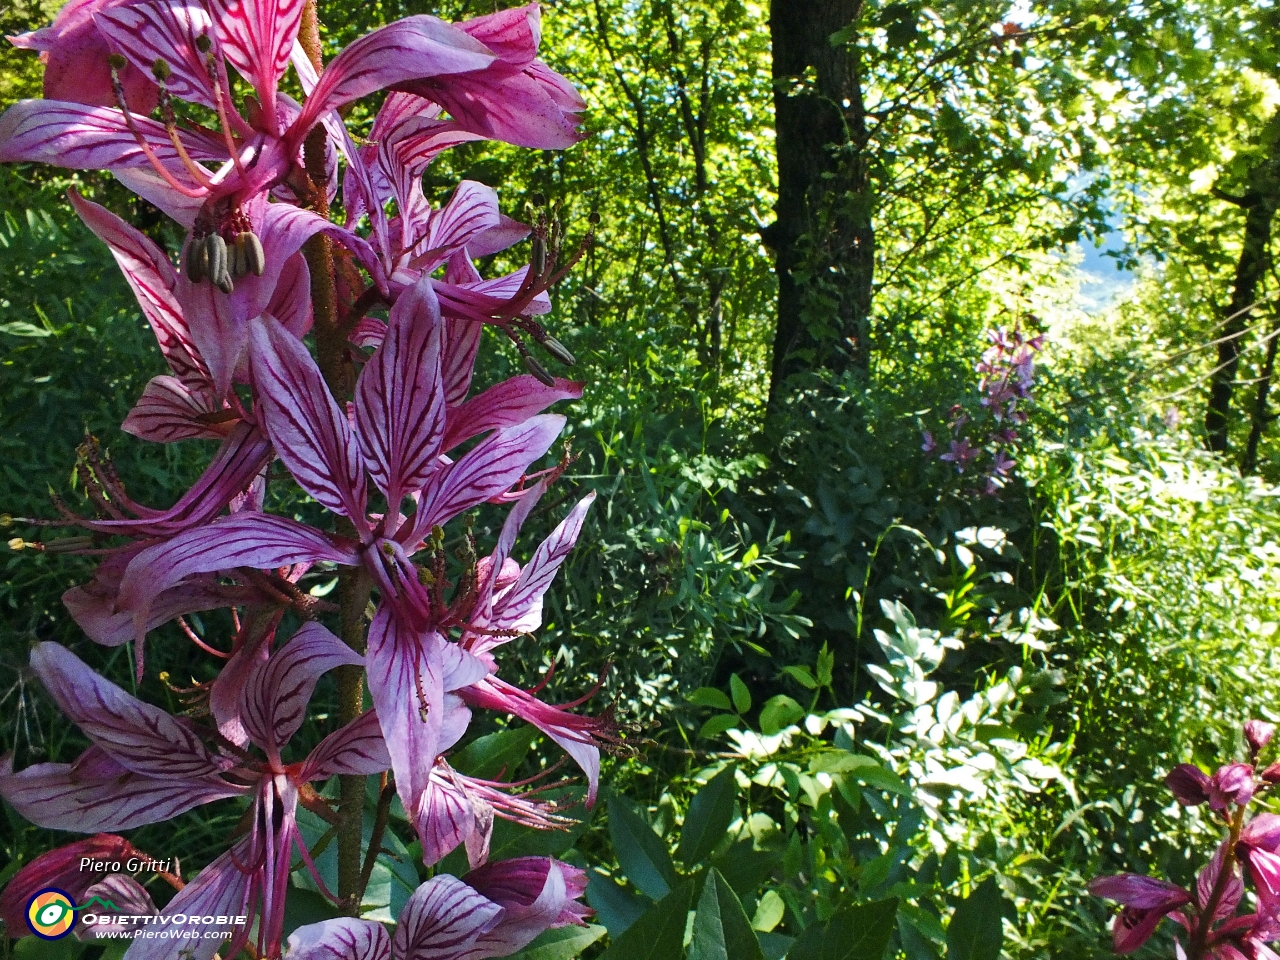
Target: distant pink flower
(1146, 901)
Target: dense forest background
(921, 552)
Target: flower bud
(1190, 784)
(1271, 774)
(1231, 784)
(1258, 734)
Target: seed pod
(196, 261)
(559, 351)
(539, 371)
(235, 253)
(219, 271)
(255, 258)
(539, 254)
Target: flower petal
(274, 701)
(95, 794)
(520, 608)
(170, 410)
(400, 406)
(411, 48)
(504, 404)
(151, 277)
(257, 37)
(358, 748)
(343, 938)
(443, 920)
(244, 539)
(221, 889)
(146, 31)
(536, 894)
(79, 137)
(140, 737)
(488, 470)
(309, 431)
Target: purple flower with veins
(491, 912)
(1146, 901)
(146, 766)
(961, 454)
(402, 426)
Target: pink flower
(1146, 901)
(1190, 784)
(1258, 733)
(1230, 784)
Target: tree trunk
(1260, 206)
(1261, 417)
(823, 241)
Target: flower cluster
(1008, 370)
(251, 182)
(1218, 922)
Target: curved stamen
(118, 89)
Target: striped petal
(406, 683)
(411, 48)
(152, 30)
(443, 920)
(487, 471)
(257, 37)
(79, 137)
(343, 938)
(504, 405)
(310, 433)
(151, 277)
(244, 539)
(358, 748)
(95, 794)
(221, 889)
(274, 701)
(170, 410)
(399, 404)
(520, 608)
(141, 738)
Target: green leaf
(976, 931)
(778, 712)
(826, 666)
(710, 813)
(641, 853)
(20, 328)
(492, 756)
(562, 944)
(710, 697)
(615, 906)
(659, 934)
(769, 912)
(720, 927)
(802, 676)
(741, 695)
(719, 724)
(855, 933)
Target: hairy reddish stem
(353, 585)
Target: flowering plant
(370, 426)
(1218, 921)
(1007, 370)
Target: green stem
(354, 585)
